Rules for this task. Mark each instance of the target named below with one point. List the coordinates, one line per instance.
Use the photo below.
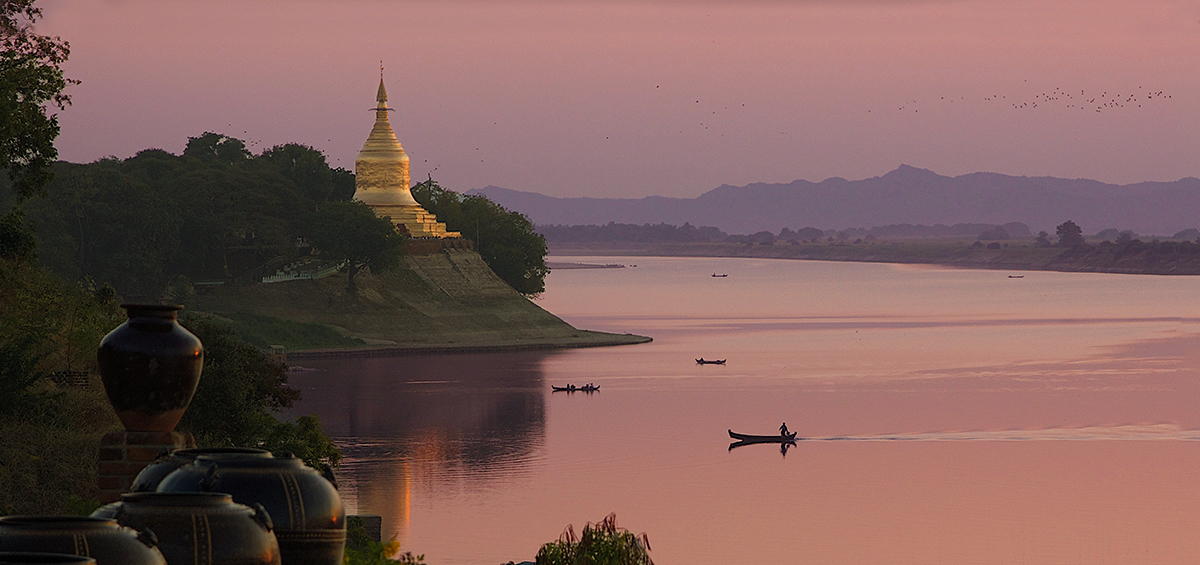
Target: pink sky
(629, 99)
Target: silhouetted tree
(31, 78)
(1043, 239)
(1069, 234)
(351, 231)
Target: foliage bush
(505, 239)
(601, 544)
(362, 550)
(49, 436)
(240, 391)
(214, 213)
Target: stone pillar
(124, 454)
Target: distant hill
(907, 195)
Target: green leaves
(506, 240)
(17, 242)
(30, 78)
(602, 543)
(216, 213)
(238, 395)
(350, 231)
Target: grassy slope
(1019, 255)
(448, 299)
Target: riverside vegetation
(1108, 251)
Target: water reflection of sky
(953, 416)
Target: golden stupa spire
(381, 177)
(381, 96)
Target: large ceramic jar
(29, 558)
(203, 528)
(150, 366)
(305, 507)
(104, 540)
(147, 480)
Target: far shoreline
(590, 339)
(1014, 255)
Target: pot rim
(42, 557)
(177, 498)
(55, 522)
(222, 452)
(153, 307)
(223, 463)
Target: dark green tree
(217, 147)
(505, 239)
(31, 78)
(302, 165)
(239, 394)
(1069, 234)
(17, 242)
(350, 231)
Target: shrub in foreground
(601, 544)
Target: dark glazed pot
(147, 480)
(305, 507)
(203, 528)
(29, 558)
(150, 366)
(103, 540)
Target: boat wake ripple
(1151, 432)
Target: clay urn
(102, 540)
(150, 366)
(199, 528)
(304, 504)
(147, 480)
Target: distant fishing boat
(703, 361)
(572, 388)
(1016, 276)
(720, 276)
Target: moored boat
(703, 361)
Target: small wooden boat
(763, 439)
(703, 361)
(720, 276)
(572, 388)
(1016, 276)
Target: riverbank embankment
(1144, 258)
(442, 302)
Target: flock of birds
(1063, 98)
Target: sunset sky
(637, 98)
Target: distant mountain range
(907, 195)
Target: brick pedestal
(124, 454)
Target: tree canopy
(214, 213)
(31, 78)
(350, 231)
(505, 239)
(1069, 234)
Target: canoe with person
(749, 438)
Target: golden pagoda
(382, 181)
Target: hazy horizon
(630, 99)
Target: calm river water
(953, 417)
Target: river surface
(950, 416)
